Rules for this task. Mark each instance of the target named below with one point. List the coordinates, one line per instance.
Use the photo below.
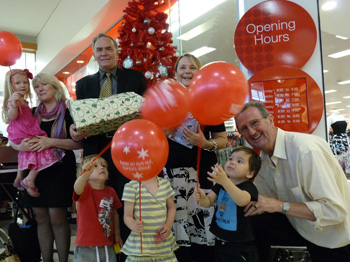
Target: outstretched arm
(204, 199)
(79, 184)
(218, 175)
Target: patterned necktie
(106, 89)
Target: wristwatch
(285, 207)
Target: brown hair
(254, 159)
(103, 35)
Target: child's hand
(137, 227)
(199, 193)
(15, 97)
(118, 240)
(218, 175)
(88, 167)
(164, 231)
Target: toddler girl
(158, 214)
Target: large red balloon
(139, 149)
(10, 48)
(166, 104)
(217, 93)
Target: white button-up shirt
(303, 169)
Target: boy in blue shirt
(233, 190)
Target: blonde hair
(9, 89)
(194, 60)
(53, 81)
(88, 159)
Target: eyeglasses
(252, 124)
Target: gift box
(102, 115)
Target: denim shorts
(89, 254)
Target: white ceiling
(27, 19)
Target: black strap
(19, 207)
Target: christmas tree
(144, 41)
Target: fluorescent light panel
(344, 82)
(333, 103)
(198, 30)
(329, 5)
(340, 54)
(202, 51)
(191, 10)
(330, 91)
(346, 97)
(325, 71)
(341, 37)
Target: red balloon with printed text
(139, 149)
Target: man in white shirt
(301, 179)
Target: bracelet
(213, 147)
(11, 105)
(214, 143)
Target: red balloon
(10, 48)
(139, 149)
(217, 93)
(166, 104)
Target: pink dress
(27, 126)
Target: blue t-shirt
(229, 222)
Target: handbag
(25, 238)
(9, 254)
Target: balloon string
(199, 151)
(14, 86)
(103, 150)
(140, 211)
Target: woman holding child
(54, 183)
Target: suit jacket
(128, 80)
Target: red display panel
(286, 100)
(291, 96)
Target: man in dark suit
(105, 52)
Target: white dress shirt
(303, 169)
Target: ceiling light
(333, 103)
(80, 61)
(202, 51)
(325, 71)
(346, 97)
(330, 91)
(340, 54)
(341, 37)
(198, 30)
(329, 5)
(191, 10)
(344, 82)
(66, 73)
